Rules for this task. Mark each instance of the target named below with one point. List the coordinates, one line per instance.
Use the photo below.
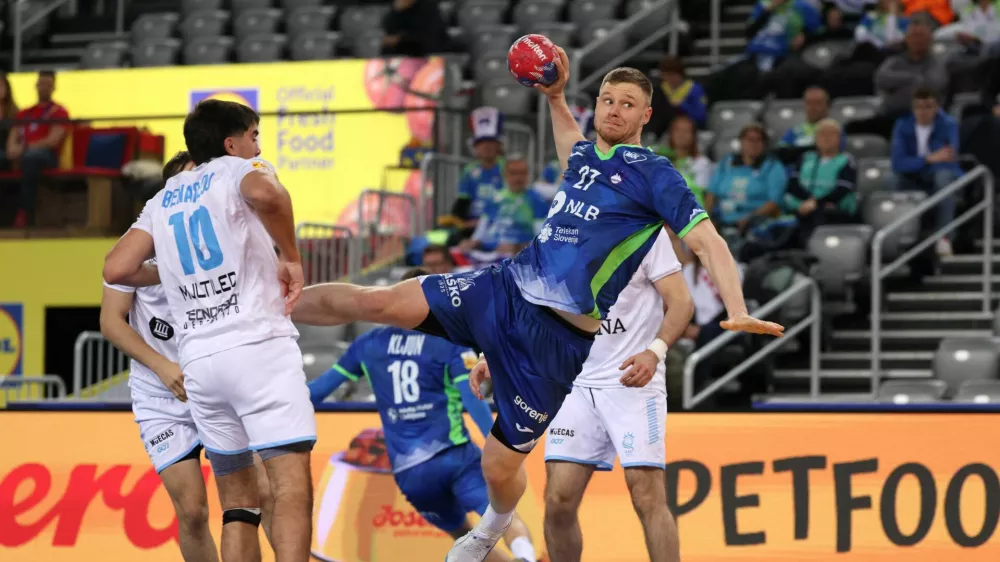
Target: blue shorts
(447, 487)
(533, 354)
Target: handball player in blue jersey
(534, 316)
(421, 384)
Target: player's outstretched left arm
(679, 310)
(325, 384)
(126, 263)
(273, 205)
(714, 253)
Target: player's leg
(266, 498)
(648, 489)
(291, 485)
(237, 482)
(565, 483)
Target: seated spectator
(748, 185)
(683, 152)
(817, 105)
(8, 112)
(481, 180)
(510, 221)
(978, 25)
(925, 156)
(821, 189)
(415, 28)
(437, 260)
(882, 28)
(677, 95)
(878, 35)
(35, 145)
(939, 11)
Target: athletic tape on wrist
(659, 347)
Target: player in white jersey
(214, 230)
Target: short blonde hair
(627, 75)
(829, 123)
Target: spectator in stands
(939, 11)
(677, 95)
(415, 28)
(747, 186)
(978, 25)
(879, 35)
(35, 145)
(882, 28)
(8, 112)
(817, 105)
(925, 155)
(683, 152)
(481, 180)
(511, 220)
(437, 260)
(821, 189)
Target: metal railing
(329, 252)
(442, 196)
(380, 242)
(879, 271)
(97, 364)
(715, 31)
(18, 388)
(813, 319)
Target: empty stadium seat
(911, 392)
(978, 392)
(725, 143)
(848, 109)
(842, 251)
(205, 23)
(357, 20)
(208, 50)
(867, 146)
(191, 6)
(309, 18)
(583, 12)
(491, 67)
(963, 359)
(256, 21)
(242, 5)
(105, 55)
(821, 55)
(782, 115)
(947, 49)
(528, 13)
(491, 39)
(874, 174)
(318, 360)
(314, 45)
(612, 47)
(262, 48)
(368, 45)
(321, 335)
(883, 208)
(996, 323)
(732, 115)
(154, 26)
(649, 24)
(156, 52)
(508, 96)
(559, 33)
(360, 328)
(477, 13)
(961, 102)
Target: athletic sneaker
(475, 546)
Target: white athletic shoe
(475, 546)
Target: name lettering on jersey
(161, 437)
(201, 316)
(188, 193)
(204, 289)
(561, 431)
(540, 417)
(612, 327)
(406, 345)
(633, 157)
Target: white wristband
(659, 347)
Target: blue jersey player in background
(535, 316)
(421, 384)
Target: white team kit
(165, 424)
(243, 368)
(601, 418)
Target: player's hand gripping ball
(532, 60)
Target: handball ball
(532, 60)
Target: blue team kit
(599, 228)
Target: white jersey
(633, 322)
(217, 262)
(149, 318)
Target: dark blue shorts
(447, 487)
(533, 354)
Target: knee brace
(242, 515)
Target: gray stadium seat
(583, 12)
(154, 26)
(191, 6)
(961, 102)
(156, 52)
(848, 109)
(205, 23)
(491, 67)
(996, 323)
(842, 251)
(596, 31)
(874, 174)
(105, 55)
(883, 208)
(782, 115)
(651, 23)
(963, 359)
(315, 336)
(867, 146)
(491, 39)
(356, 20)
(947, 49)
(725, 143)
(314, 45)
(291, 5)
(559, 33)
(911, 392)
(508, 96)
(256, 21)
(367, 45)
(729, 115)
(978, 392)
(243, 5)
(529, 13)
(309, 18)
(318, 360)
(477, 13)
(262, 48)
(208, 50)
(359, 328)
(821, 55)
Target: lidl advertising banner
(796, 487)
(324, 159)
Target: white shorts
(166, 428)
(596, 424)
(251, 397)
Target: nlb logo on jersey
(633, 157)
(246, 96)
(11, 339)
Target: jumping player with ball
(535, 316)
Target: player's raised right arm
(565, 128)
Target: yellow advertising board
(797, 487)
(329, 127)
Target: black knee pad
(242, 515)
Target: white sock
(495, 523)
(521, 547)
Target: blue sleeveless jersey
(600, 226)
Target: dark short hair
(438, 249)
(755, 127)
(672, 64)
(925, 94)
(175, 165)
(413, 274)
(213, 121)
(47, 74)
(627, 75)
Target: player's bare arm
(679, 308)
(115, 308)
(126, 263)
(565, 128)
(714, 254)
